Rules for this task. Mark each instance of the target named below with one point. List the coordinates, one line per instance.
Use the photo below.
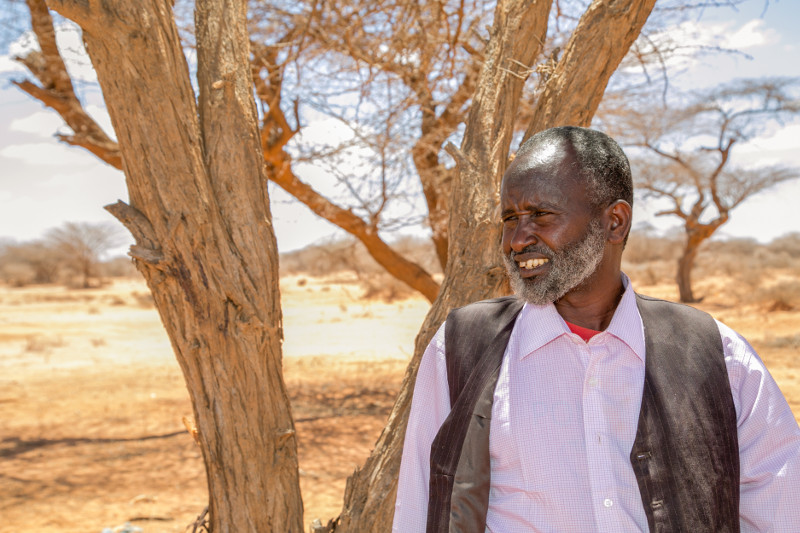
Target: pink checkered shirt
(564, 420)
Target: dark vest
(685, 455)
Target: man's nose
(524, 234)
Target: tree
(28, 262)
(685, 157)
(82, 244)
(199, 213)
(204, 241)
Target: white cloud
(9, 66)
(42, 123)
(47, 154)
(780, 147)
(100, 115)
(752, 34)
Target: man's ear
(618, 217)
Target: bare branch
(56, 90)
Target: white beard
(568, 267)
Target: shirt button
(607, 502)
(593, 381)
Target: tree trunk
(474, 233)
(474, 270)
(696, 234)
(204, 240)
(684, 276)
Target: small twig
(201, 523)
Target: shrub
(783, 296)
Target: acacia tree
(81, 245)
(199, 213)
(684, 157)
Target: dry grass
(91, 405)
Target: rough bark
(474, 270)
(205, 244)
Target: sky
(44, 183)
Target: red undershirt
(583, 333)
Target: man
(590, 408)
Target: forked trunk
(474, 270)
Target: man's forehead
(550, 162)
(552, 152)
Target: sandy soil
(91, 398)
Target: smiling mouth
(532, 263)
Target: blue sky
(44, 183)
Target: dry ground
(91, 398)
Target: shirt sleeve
(430, 406)
(769, 442)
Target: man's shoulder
(486, 309)
(667, 306)
(499, 301)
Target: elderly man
(579, 405)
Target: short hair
(602, 162)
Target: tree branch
(398, 266)
(56, 90)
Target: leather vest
(685, 455)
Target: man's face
(553, 239)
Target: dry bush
(788, 244)
(42, 343)
(646, 247)
(782, 296)
(29, 262)
(144, 299)
(650, 259)
(119, 267)
(791, 342)
(41, 262)
(650, 273)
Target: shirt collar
(626, 324)
(537, 325)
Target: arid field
(92, 399)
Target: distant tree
(83, 244)
(683, 154)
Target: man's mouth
(530, 264)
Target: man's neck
(593, 305)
